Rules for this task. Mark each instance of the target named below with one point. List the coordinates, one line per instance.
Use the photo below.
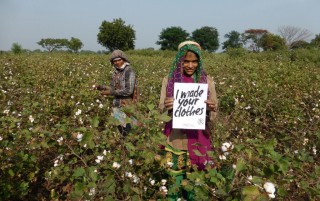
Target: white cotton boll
(248, 107)
(78, 112)
(271, 195)
(163, 182)
(105, 152)
(170, 164)
(92, 191)
(128, 174)
(163, 189)
(135, 179)
(314, 149)
(100, 158)
(236, 101)
(100, 105)
(116, 165)
(270, 189)
(79, 137)
(60, 157)
(31, 119)
(222, 157)
(56, 163)
(130, 161)
(152, 182)
(226, 146)
(250, 177)
(60, 140)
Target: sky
(26, 22)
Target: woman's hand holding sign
(168, 103)
(211, 105)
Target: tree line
(117, 35)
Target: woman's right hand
(98, 87)
(168, 103)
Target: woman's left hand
(105, 92)
(211, 105)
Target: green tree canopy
(16, 48)
(233, 40)
(316, 41)
(171, 37)
(272, 42)
(252, 37)
(53, 44)
(75, 44)
(300, 44)
(207, 37)
(116, 35)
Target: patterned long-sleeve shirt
(122, 85)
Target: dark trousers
(124, 131)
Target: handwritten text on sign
(189, 108)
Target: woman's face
(118, 62)
(190, 63)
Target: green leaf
(283, 165)
(78, 172)
(136, 190)
(241, 165)
(257, 180)
(95, 122)
(92, 174)
(250, 193)
(164, 117)
(150, 106)
(11, 172)
(130, 146)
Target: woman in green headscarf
(187, 68)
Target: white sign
(189, 108)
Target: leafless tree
(293, 35)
